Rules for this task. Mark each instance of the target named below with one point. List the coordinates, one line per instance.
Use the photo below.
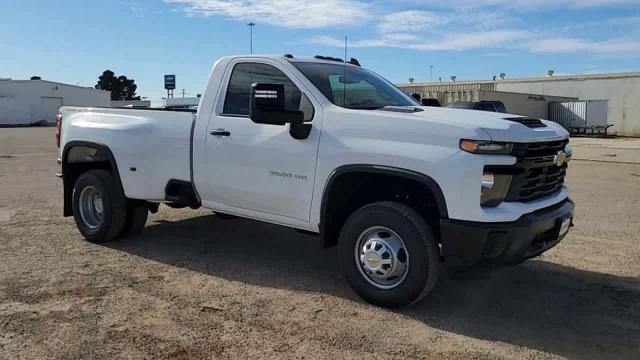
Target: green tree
(121, 87)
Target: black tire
(113, 206)
(419, 241)
(137, 215)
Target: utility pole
(183, 93)
(251, 26)
(430, 73)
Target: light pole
(430, 73)
(251, 25)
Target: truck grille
(536, 174)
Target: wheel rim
(382, 257)
(91, 207)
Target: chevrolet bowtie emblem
(560, 159)
(372, 260)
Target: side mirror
(267, 106)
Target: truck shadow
(538, 305)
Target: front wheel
(389, 254)
(99, 207)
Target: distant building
(28, 102)
(621, 91)
(182, 102)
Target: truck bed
(150, 146)
(192, 111)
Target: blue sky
(73, 41)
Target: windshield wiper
(404, 109)
(366, 107)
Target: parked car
(431, 102)
(493, 106)
(426, 101)
(331, 149)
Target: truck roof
(314, 59)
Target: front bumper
(465, 243)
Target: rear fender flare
(103, 153)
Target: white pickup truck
(327, 147)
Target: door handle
(219, 132)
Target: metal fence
(569, 114)
(580, 116)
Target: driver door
(258, 170)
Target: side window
(236, 101)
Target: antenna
(344, 83)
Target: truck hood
(496, 125)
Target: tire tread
(136, 219)
(118, 204)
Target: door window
(238, 92)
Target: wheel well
(350, 191)
(79, 157)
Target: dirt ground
(197, 287)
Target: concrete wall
(623, 94)
(24, 102)
(532, 105)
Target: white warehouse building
(620, 93)
(30, 102)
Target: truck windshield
(355, 88)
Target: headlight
(486, 147)
(494, 188)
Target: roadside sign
(169, 82)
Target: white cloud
(528, 4)
(465, 29)
(481, 39)
(575, 45)
(136, 9)
(495, 39)
(498, 25)
(497, 54)
(451, 41)
(410, 21)
(283, 13)
(327, 41)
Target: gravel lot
(197, 287)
